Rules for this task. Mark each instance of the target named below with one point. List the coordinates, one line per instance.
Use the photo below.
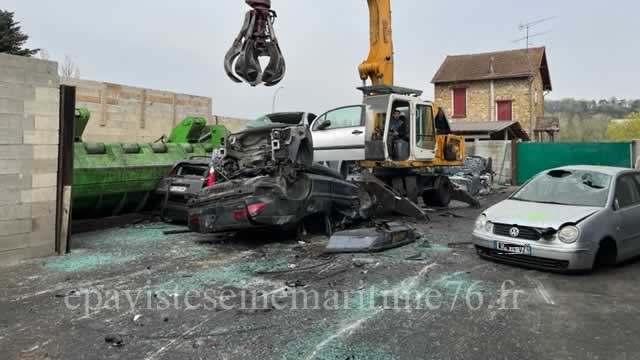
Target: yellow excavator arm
(379, 64)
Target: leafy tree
(625, 130)
(11, 36)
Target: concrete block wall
(29, 124)
(121, 113)
(499, 152)
(233, 124)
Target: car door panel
(343, 139)
(628, 201)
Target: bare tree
(68, 69)
(43, 55)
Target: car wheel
(607, 254)
(328, 226)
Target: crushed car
(475, 176)
(271, 182)
(186, 179)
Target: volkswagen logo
(514, 232)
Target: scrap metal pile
(268, 180)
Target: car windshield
(567, 187)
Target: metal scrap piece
(383, 237)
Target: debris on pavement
(474, 177)
(460, 245)
(295, 283)
(382, 237)
(115, 340)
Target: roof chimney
(491, 70)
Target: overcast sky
(593, 49)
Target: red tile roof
(494, 65)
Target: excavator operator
(398, 125)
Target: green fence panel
(532, 158)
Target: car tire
(607, 253)
(328, 226)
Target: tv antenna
(527, 29)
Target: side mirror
(616, 205)
(324, 125)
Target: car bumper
(543, 256)
(230, 216)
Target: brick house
(505, 85)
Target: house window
(505, 110)
(460, 103)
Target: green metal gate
(532, 158)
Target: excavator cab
(402, 130)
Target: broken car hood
(538, 215)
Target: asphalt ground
(132, 292)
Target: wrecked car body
(271, 182)
(382, 237)
(276, 202)
(186, 179)
(475, 176)
(267, 150)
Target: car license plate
(513, 249)
(178, 189)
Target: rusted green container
(112, 179)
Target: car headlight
(488, 227)
(481, 222)
(568, 234)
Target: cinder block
(15, 181)
(10, 75)
(28, 122)
(29, 63)
(9, 197)
(44, 180)
(11, 121)
(45, 152)
(47, 94)
(10, 167)
(41, 137)
(13, 227)
(46, 108)
(46, 122)
(11, 106)
(42, 79)
(43, 237)
(38, 195)
(16, 152)
(45, 209)
(17, 91)
(14, 242)
(13, 257)
(11, 136)
(42, 166)
(14, 212)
